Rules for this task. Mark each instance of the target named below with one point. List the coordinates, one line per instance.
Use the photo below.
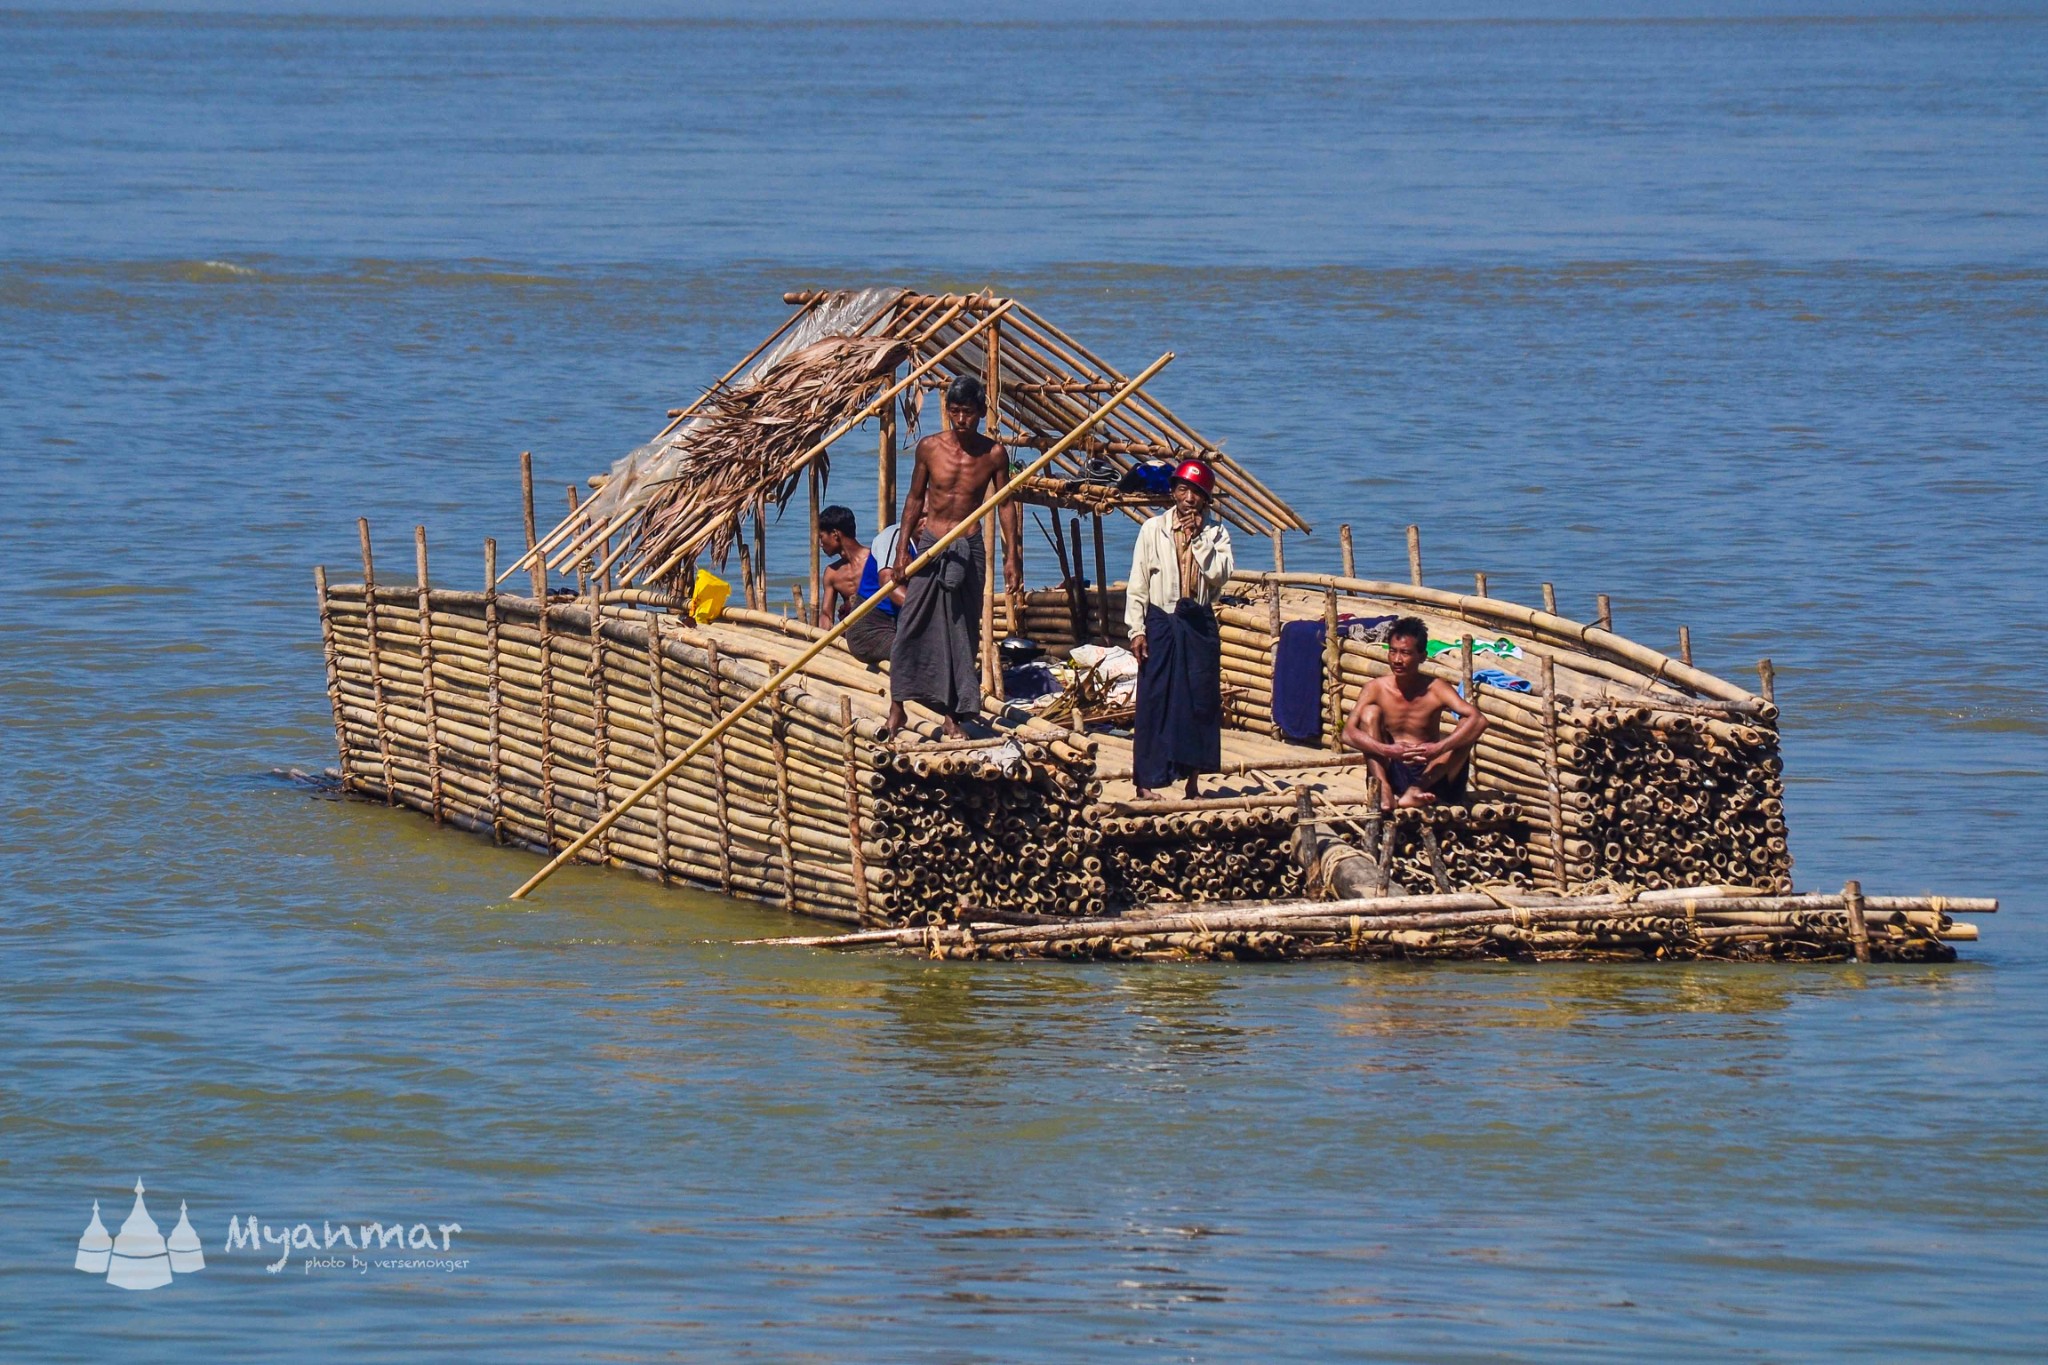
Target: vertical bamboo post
(547, 723)
(1415, 555)
(331, 652)
(1333, 673)
(377, 699)
(1344, 548)
(1471, 695)
(1279, 550)
(584, 565)
(493, 693)
(1553, 788)
(1437, 871)
(747, 574)
(1479, 582)
(885, 466)
(1273, 625)
(1101, 582)
(1550, 598)
(426, 610)
(718, 791)
(657, 713)
(1603, 612)
(760, 556)
(1767, 679)
(1685, 646)
(1079, 589)
(600, 721)
(816, 569)
(778, 739)
(1859, 930)
(991, 672)
(853, 834)
(540, 565)
(796, 599)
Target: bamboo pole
(1767, 679)
(1279, 550)
(1478, 583)
(1685, 646)
(547, 719)
(1551, 790)
(817, 587)
(885, 468)
(376, 662)
(1102, 628)
(1070, 576)
(540, 571)
(1344, 548)
(719, 786)
(789, 670)
(331, 652)
(853, 829)
(1415, 555)
(778, 739)
(493, 696)
(1549, 599)
(426, 612)
(600, 715)
(1603, 614)
(991, 671)
(1859, 930)
(1333, 672)
(760, 556)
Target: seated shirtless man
(1396, 726)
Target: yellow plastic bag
(707, 597)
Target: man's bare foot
(897, 720)
(1193, 792)
(1147, 794)
(953, 729)
(1416, 796)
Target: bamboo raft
(1627, 805)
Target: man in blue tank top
(855, 574)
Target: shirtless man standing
(1396, 723)
(938, 631)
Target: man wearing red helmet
(1181, 563)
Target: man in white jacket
(1181, 563)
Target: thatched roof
(742, 445)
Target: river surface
(1739, 322)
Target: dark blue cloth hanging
(1298, 681)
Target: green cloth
(1503, 648)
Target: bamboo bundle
(1681, 924)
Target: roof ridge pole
(819, 645)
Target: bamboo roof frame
(1042, 385)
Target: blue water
(1739, 322)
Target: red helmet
(1199, 474)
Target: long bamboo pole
(966, 526)
(873, 406)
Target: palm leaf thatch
(748, 449)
